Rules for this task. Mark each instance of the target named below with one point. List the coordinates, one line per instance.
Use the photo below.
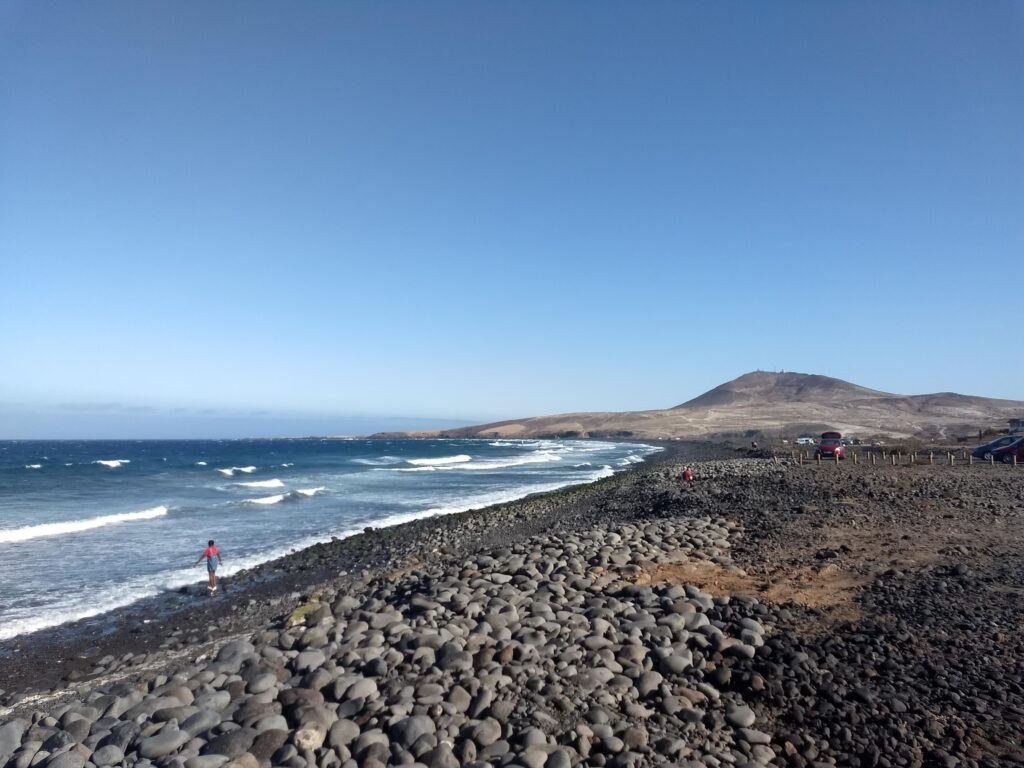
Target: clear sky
(238, 212)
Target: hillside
(772, 404)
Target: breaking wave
(460, 459)
(537, 457)
(275, 483)
(113, 463)
(277, 498)
(230, 471)
(10, 535)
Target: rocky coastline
(765, 614)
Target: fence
(898, 458)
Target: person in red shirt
(212, 556)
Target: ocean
(89, 526)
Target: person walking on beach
(212, 556)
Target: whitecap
(487, 465)
(33, 466)
(382, 461)
(275, 483)
(74, 526)
(275, 499)
(440, 462)
(200, 463)
(113, 463)
(230, 471)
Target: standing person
(687, 475)
(212, 556)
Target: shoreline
(47, 658)
(765, 614)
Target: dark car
(1007, 452)
(987, 450)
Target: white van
(805, 441)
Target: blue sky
(257, 211)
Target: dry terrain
(765, 404)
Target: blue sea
(86, 527)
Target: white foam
(230, 471)
(275, 483)
(461, 458)
(33, 466)
(505, 496)
(200, 463)
(290, 464)
(537, 457)
(275, 499)
(70, 608)
(113, 463)
(279, 497)
(74, 526)
(382, 461)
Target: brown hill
(774, 404)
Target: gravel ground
(765, 614)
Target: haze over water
(86, 527)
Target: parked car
(1007, 452)
(987, 450)
(831, 446)
(805, 441)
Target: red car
(1007, 452)
(831, 446)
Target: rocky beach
(765, 614)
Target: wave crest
(460, 459)
(275, 483)
(10, 535)
(277, 498)
(113, 463)
(230, 471)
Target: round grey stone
(407, 730)
(168, 740)
(70, 759)
(108, 755)
(740, 716)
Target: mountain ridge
(767, 403)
